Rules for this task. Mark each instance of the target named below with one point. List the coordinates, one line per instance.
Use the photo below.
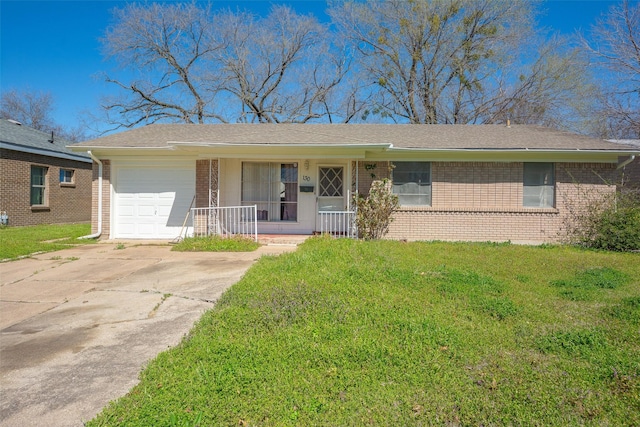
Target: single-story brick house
(455, 182)
(41, 180)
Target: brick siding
(631, 173)
(106, 199)
(472, 201)
(483, 202)
(64, 203)
(203, 176)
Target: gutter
(626, 162)
(99, 232)
(44, 152)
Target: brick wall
(65, 203)
(106, 198)
(206, 176)
(368, 172)
(631, 173)
(483, 202)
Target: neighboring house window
(412, 183)
(539, 185)
(38, 185)
(273, 187)
(66, 176)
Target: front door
(331, 194)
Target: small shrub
(610, 222)
(618, 230)
(374, 211)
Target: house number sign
(306, 178)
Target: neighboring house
(41, 181)
(455, 182)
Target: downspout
(99, 232)
(626, 162)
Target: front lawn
(216, 244)
(22, 241)
(351, 333)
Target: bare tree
(31, 108)
(553, 90)
(281, 68)
(428, 58)
(35, 109)
(462, 61)
(194, 66)
(615, 46)
(169, 49)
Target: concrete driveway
(78, 325)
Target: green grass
(349, 333)
(216, 244)
(21, 241)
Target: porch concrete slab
(81, 323)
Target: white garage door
(151, 203)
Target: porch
(228, 221)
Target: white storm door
(152, 202)
(331, 192)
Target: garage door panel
(148, 211)
(146, 229)
(152, 202)
(164, 211)
(125, 211)
(127, 229)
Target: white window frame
(41, 187)
(538, 185)
(410, 189)
(63, 176)
(270, 199)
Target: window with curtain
(412, 183)
(273, 187)
(538, 185)
(38, 185)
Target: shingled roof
(18, 137)
(421, 137)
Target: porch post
(218, 183)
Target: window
(273, 187)
(38, 185)
(66, 176)
(539, 183)
(412, 183)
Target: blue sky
(53, 46)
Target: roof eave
(505, 155)
(43, 152)
(280, 151)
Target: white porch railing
(338, 223)
(226, 221)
